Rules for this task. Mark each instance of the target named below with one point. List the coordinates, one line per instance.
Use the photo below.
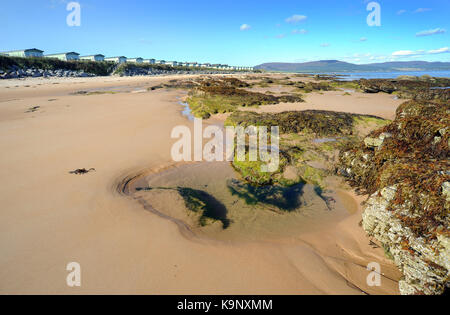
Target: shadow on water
(328, 200)
(283, 198)
(200, 202)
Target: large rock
(424, 263)
(404, 168)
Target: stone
(376, 142)
(446, 191)
(373, 142)
(425, 265)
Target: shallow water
(269, 213)
(389, 75)
(324, 140)
(186, 111)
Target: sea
(349, 76)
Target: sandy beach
(50, 217)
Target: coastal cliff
(404, 168)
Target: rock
(373, 142)
(376, 142)
(446, 190)
(408, 181)
(425, 265)
(406, 78)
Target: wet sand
(49, 217)
(380, 105)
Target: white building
(25, 53)
(98, 57)
(65, 56)
(149, 61)
(136, 60)
(119, 59)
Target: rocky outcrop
(404, 167)
(16, 73)
(424, 261)
(423, 88)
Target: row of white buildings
(67, 56)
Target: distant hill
(340, 66)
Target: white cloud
(411, 53)
(325, 45)
(439, 51)
(403, 53)
(421, 10)
(400, 12)
(302, 31)
(296, 18)
(245, 27)
(431, 32)
(363, 39)
(281, 36)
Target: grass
(122, 68)
(103, 68)
(97, 68)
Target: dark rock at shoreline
(407, 87)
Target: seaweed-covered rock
(423, 88)
(375, 86)
(376, 142)
(424, 263)
(315, 86)
(322, 123)
(214, 96)
(407, 176)
(305, 137)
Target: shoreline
(85, 218)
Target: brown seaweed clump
(411, 152)
(321, 123)
(405, 168)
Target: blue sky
(241, 32)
